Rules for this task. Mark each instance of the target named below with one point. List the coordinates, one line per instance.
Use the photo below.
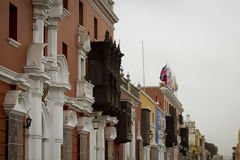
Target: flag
(163, 75)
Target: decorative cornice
(172, 98)
(102, 14)
(8, 76)
(106, 10)
(44, 4)
(62, 86)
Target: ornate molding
(109, 20)
(11, 77)
(44, 4)
(35, 64)
(110, 133)
(84, 44)
(62, 80)
(69, 119)
(105, 9)
(16, 102)
(172, 97)
(84, 124)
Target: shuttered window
(12, 21)
(95, 28)
(64, 49)
(65, 4)
(80, 13)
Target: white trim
(101, 14)
(13, 42)
(172, 98)
(107, 11)
(11, 77)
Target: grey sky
(200, 40)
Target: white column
(52, 38)
(126, 151)
(100, 140)
(56, 98)
(38, 24)
(93, 144)
(34, 134)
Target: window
(82, 68)
(152, 117)
(65, 4)
(80, 13)
(13, 21)
(107, 33)
(45, 30)
(95, 28)
(64, 49)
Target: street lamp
(95, 123)
(28, 122)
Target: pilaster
(83, 141)
(52, 38)
(70, 121)
(33, 149)
(55, 105)
(100, 140)
(39, 15)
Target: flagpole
(143, 67)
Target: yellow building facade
(147, 102)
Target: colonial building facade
(172, 108)
(46, 103)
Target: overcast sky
(200, 39)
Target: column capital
(110, 133)
(69, 119)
